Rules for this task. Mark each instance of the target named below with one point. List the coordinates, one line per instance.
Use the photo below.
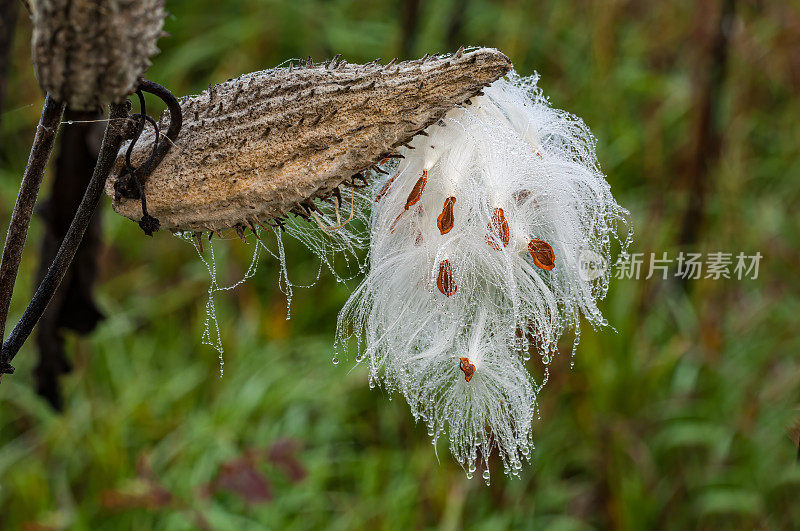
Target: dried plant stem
(26, 198)
(8, 21)
(112, 140)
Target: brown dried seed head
(293, 136)
(446, 219)
(542, 254)
(91, 53)
(445, 281)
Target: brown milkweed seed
(258, 146)
(446, 219)
(498, 230)
(445, 281)
(416, 192)
(468, 368)
(542, 254)
(385, 187)
(413, 197)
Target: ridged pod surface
(89, 53)
(259, 146)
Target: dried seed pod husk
(258, 146)
(91, 53)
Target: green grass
(678, 419)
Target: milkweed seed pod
(475, 260)
(268, 143)
(91, 53)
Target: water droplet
(335, 360)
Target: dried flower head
(89, 54)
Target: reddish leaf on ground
(241, 477)
(283, 453)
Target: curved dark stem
(73, 305)
(145, 118)
(23, 208)
(112, 140)
(131, 182)
(138, 132)
(148, 223)
(175, 124)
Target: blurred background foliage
(683, 417)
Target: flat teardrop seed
(445, 281)
(446, 219)
(498, 230)
(416, 192)
(542, 254)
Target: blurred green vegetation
(683, 417)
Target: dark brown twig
(116, 131)
(23, 208)
(73, 306)
(410, 26)
(175, 124)
(455, 28)
(706, 138)
(112, 140)
(8, 20)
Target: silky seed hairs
(476, 240)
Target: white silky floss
(460, 290)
